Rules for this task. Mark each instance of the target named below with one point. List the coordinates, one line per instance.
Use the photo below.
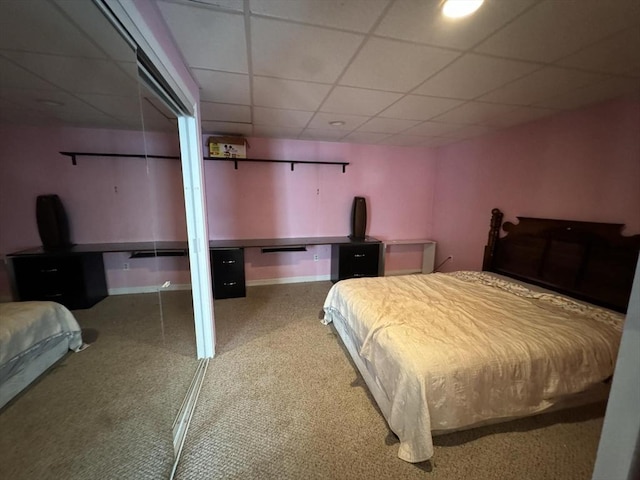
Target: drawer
(48, 278)
(73, 280)
(355, 260)
(227, 270)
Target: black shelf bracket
(74, 155)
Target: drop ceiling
(391, 71)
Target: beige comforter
(453, 350)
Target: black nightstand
(75, 280)
(227, 269)
(355, 259)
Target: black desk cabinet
(351, 260)
(227, 269)
(75, 280)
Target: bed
(33, 337)
(537, 330)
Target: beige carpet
(106, 412)
(281, 400)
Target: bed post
(494, 233)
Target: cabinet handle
(230, 284)
(359, 255)
(48, 270)
(228, 261)
(359, 275)
(53, 295)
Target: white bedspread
(453, 350)
(27, 328)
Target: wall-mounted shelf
(74, 155)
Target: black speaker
(358, 218)
(53, 225)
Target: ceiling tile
(118, 106)
(470, 131)
(227, 128)
(351, 122)
(356, 15)
(276, 131)
(544, 83)
(289, 94)
(609, 88)
(419, 107)
(76, 74)
(224, 112)
(364, 137)
(423, 22)
(25, 28)
(358, 101)
(300, 52)
(278, 117)
(387, 125)
(435, 129)
(519, 115)
(155, 121)
(402, 140)
(237, 5)
(618, 54)
(150, 101)
(207, 38)
(13, 76)
(39, 100)
(394, 66)
(554, 29)
(472, 75)
(322, 134)
(97, 29)
(474, 113)
(223, 87)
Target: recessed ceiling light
(50, 103)
(460, 8)
(337, 123)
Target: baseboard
(277, 281)
(149, 289)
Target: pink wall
(261, 200)
(106, 199)
(581, 165)
(121, 199)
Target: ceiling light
(460, 8)
(337, 123)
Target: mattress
(441, 352)
(33, 336)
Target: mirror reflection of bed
(537, 331)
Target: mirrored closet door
(69, 83)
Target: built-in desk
(349, 258)
(75, 276)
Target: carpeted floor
(281, 400)
(106, 412)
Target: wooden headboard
(585, 260)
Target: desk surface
(176, 246)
